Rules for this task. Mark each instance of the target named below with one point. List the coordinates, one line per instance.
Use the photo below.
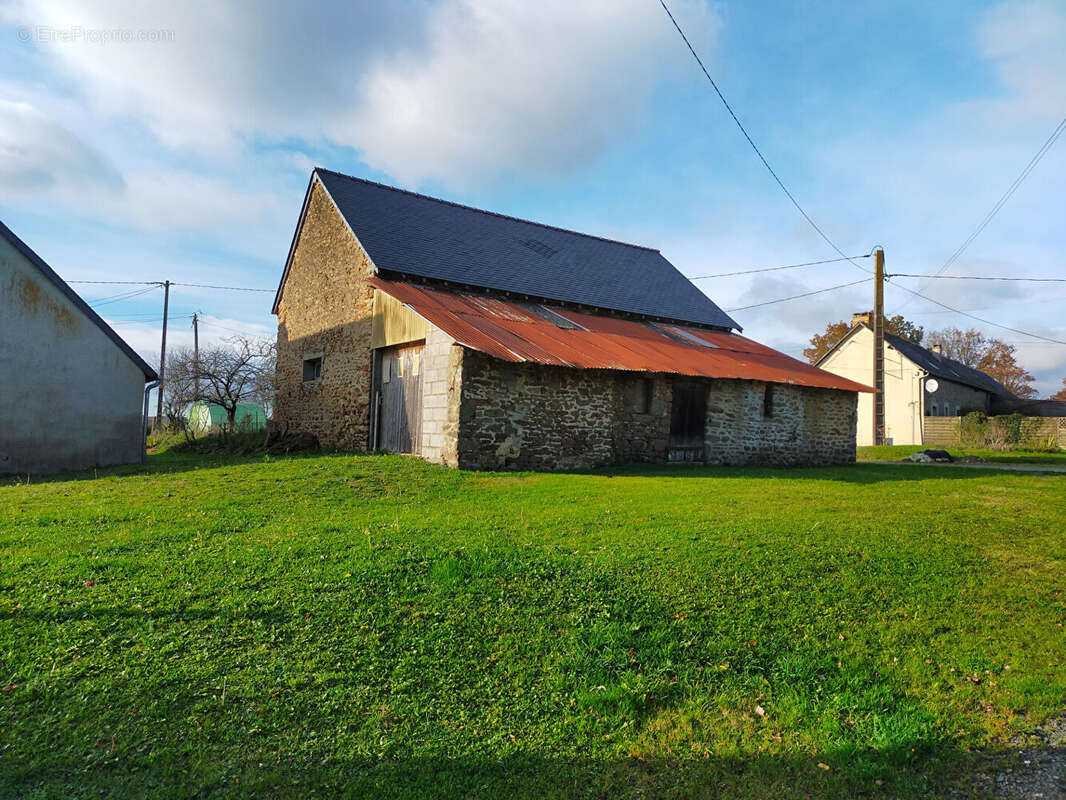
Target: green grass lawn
(377, 627)
(899, 451)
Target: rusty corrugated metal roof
(543, 334)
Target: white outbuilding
(72, 392)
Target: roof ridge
(940, 357)
(486, 211)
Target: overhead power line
(1047, 145)
(798, 296)
(193, 285)
(980, 319)
(230, 288)
(103, 301)
(755, 147)
(974, 278)
(123, 283)
(775, 269)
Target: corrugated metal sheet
(513, 331)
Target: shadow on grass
(850, 473)
(860, 472)
(911, 770)
(161, 464)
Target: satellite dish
(931, 385)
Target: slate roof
(75, 298)
(410, 234)
(947, 368)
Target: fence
(944, 431)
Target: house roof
(547, 334)
(936, 365)
(1030, 408)
(947, 368)
(411, 234)
(75, 298)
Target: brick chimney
(937, 349)
(862, 318)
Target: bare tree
(239, 370)
(992, 356)
(179, 390)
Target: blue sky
(185, 154)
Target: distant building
(920, 384)
(479, 340)
(207, 417)
(72, 392)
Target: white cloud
(531, 87)
(1024, 39)
(421, 90)
(37, 153)
(43, 160)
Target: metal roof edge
(450, 286)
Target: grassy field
(377, 627)
(897, 452)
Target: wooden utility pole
(196, 356)
(162, 358)
(879, 346)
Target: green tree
(822, 343)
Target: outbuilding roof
(75, 298)
(411, 234)
(547, 334)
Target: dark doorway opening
(400, 399)
(688, 415)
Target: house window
(935, 414)
(312, 369)
(768, 400)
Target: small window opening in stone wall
(645, 390)
(768, 400)
(312, 369)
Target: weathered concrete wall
(442, 361)
(326, 310)
(526, 416)
(69, 397)
(807, 426)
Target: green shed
(206, 417)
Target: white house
(919, 383)
(72, 392)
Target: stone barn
(72, 392)
(416, 325)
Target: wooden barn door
(688, 415)
(400, 384)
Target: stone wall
(806, 426)
(527, 416)
(326, 310)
